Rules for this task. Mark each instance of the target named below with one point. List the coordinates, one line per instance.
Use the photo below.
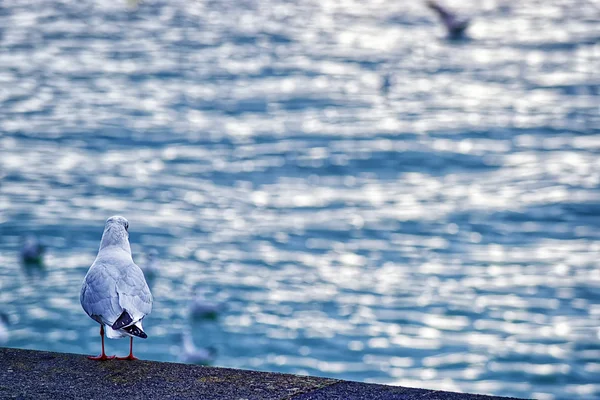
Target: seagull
(455, 25)
(32, 251)
(202, 308)
(114, 292)
(190, 354)
(4, 321)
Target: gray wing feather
(107, 291)
(99, 297)
(133, 293)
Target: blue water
(444, 235)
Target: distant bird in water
(191, 354)
(202, 308)
(386, 84)
(455, 26)
(150, 267)
(32, 251)
(4, 321)
(114, 291)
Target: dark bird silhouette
(456, 26)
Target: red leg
(103, 356)
(130, 356)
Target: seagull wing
(98, 295)
(133, 293)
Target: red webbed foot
(130, 357)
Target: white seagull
(455, 25)
(114, 292)
(202, 308)
(32, 251)
(190, 354)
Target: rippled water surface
(444, 235)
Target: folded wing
(134, 294)
(107, 293)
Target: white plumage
(114, 284)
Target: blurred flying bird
(32, 251)
(191, 354)
(455, 25)
(114, 291)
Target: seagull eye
(126, 225)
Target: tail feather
(124, 320)
(135, 331)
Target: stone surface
(344, 390)
(29, 374)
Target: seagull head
(116, 233)
(118, 221)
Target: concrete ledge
(28, 374)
